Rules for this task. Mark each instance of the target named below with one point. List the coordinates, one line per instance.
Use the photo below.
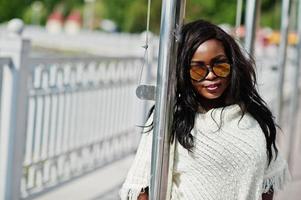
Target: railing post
(252, 13)
(13, 110)
(294, 106)
(238, 13)
(285, 18)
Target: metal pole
(252, 12)
(285, 14)
(295, 96)
(238, 14)
(171, 21)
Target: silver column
(252, 11)
(285, 14)
(238, 13)
(295, 95)
(171, 19)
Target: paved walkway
(293, 190)
(102, 184)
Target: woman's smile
(213, 87)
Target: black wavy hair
(241, 90)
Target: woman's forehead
(209, 49)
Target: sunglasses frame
(209, 69)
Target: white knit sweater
(227, 163)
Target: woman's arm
(143, 194)
(138, 176)
(268, 196)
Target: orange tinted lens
(198, 73)
(222, 69)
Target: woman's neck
(212, 103)
(208, 104)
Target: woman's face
(210, 53)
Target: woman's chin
(211, 96)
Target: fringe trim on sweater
(130, 194)
(277, 181)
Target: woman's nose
(210, 76)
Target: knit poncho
(228, 162)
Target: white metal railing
(81, 116)
(62, 117)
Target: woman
(225, 134)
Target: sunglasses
(199, 71)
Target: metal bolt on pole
(171, 21)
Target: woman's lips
(212, 87)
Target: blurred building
(73, 23)
(55, 22)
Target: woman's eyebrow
(224, 57)
(218, 58)
(197, 61)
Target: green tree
(130, 15)
(36, 13)
(12, 9)
(136, 19)
(116, 11)
(215, 11)
(271, 13)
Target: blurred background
(69, 70)
(128, 15)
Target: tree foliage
(12, 8)
(215, 11)
(130, 15)
(117, 10)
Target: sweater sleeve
(138, 176)
(276, 175)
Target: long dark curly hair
(241, 90)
